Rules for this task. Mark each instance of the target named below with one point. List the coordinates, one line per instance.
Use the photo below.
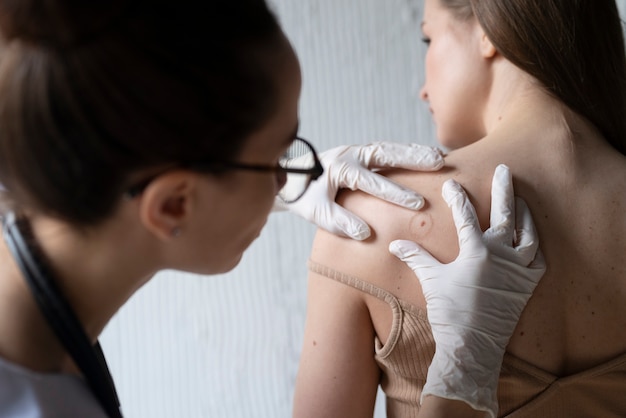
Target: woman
(502, 79)
(140, 136)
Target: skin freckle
(420, 226)
(314, 343)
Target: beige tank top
(524, 391)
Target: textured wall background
(228, 345)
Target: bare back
(577, 195)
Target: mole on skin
(420, 225)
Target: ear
(166, 204)
(486, 47)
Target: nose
(424, 93)
(281, 180)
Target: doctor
(125, 151)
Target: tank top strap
(354, 282)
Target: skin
(218, 216)
(573, 182)
(125, 251)
(454, 69)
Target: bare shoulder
(370, 259)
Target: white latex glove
(349, 167)
(474, 303)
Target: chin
(227, 261)
(231, 265)
(455, 139)
(447, 141)
(452, 143)
(219, 267)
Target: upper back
(577, 314)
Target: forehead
(462, 10)
(434, 13)
(455, 16)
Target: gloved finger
(524, 249)
(394, 154)
(527, 243)
(538, 265)
(342, 222)
(464, 215)
(418, 259)
(526, 280)
(502, 217)
(380, 186)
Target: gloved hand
(474, 302)
(350, 167)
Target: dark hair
(575, 48)
(93, 91)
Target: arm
(338, 376)
(493, 277)
(350, 167)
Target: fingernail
(440, 158)
(435, 159)
(395, 249)
(415, 202)
(502, 172)
(360, 232)
(398, 249)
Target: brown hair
(575, 48)
(92, 91)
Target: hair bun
(58, 23)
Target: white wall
(228, 346)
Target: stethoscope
(60, 316)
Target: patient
(539, 85)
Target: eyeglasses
(300, 164)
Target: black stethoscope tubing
(60, 316)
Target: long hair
(575, 48)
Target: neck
(532, 131)
(96, 270)
(515, 94)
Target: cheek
(440, 73)
(456, 94)
(247, 202)
(235, 215)
(259, 195)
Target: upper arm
(338, 376)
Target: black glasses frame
(216, 166)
